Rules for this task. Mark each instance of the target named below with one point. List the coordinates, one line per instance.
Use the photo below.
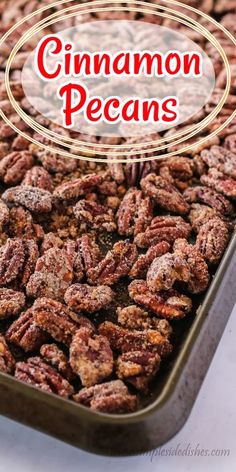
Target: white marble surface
(212, 425)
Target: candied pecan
(83, 297)
(57, 320)
(199, 277)
(88, 251)
(21, 225)
(138, 368)
(52, 276)
(4, 214)
(201, 214)
(135, 317)
(25, 333)
(180, 168)
(220, 158)
(20, 143)
(165, 195)
(212, 240)
(50, 241)
(199, 165)
(12, 258)
(33, 198)
(90, 357)
(134, 214)
(209, 197)
(116, 264)
(125, 340)
(11, 302)
(220, 182)
(140, 267)
(108, 187)
(41, 375)
(78, 187)
(7, 361)
(108, 397)
(14, 166)
(31, 256)
(54, 163)
(86, 254)
(229, 143)
(164, 271)
(169, 305)
(163, 228)
(38, 177)
(56, 358)
(96, 216)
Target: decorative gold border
(58, 16)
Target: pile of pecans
(98, 263)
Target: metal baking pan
(172, 397)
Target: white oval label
(118, 78)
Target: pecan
(21, 225)
(220, 182)
(20, 143)
(209, 197)
(164, 194)
(90, 357)
(95, 215)
(180, 168)
(83, 297)
(52, 276)
(88, 251)
(178, 171)
(31, 256)
(38, 177)
(125, 340)
(108, 187)
(165, 271)
(33, 198)
(7, 361)
(50, 241)
(78, 187)
(11, 302)
(12, 258)
(212, 240)
(229, 143)
(4, 214)
(39, 374)
(141, 265)
(14, 166)
(163, 228)
(57, 359)
(116, 264)
(86, 256)
(199, 277)
(201, 214)
(25, 333)
(54, 163)
(199, 165)
(117, 172)
(169, 305)
(220, 158)
(138, 368)
(57, 320)
(134, 317)
(109, 397)
(135, 213)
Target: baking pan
(170, 402)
